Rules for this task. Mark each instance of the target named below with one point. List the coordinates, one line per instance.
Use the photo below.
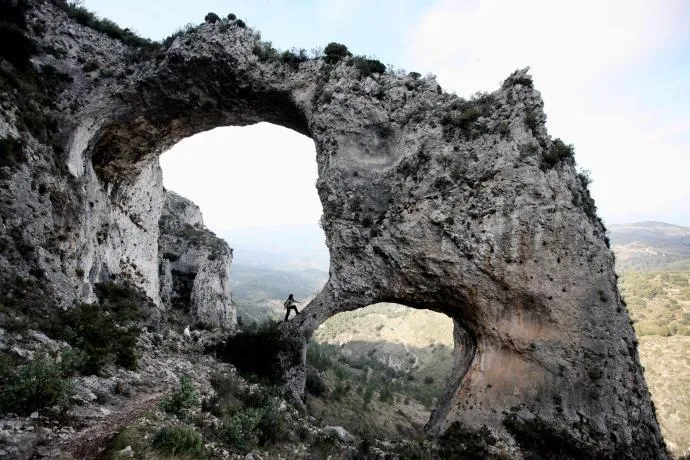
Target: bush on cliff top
(367, 66)
(212, 18)
(335, 52)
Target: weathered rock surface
(194, 265)
(464, 207)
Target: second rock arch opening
(380, 371)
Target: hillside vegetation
(659, 302)
(650, 246)
(383, 369)
(659, 305)
(666, 362)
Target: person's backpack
(287, 303)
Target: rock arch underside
(462, 207)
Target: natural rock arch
(466, 208)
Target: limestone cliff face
(194, 265)
(468, 208)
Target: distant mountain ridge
(650, 246)
(280, 247)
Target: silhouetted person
(290, 304)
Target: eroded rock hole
(379, 371)
(250, 189)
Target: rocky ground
(100, 405)
(117, 414)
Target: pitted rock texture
(194, 265)
(468, 208)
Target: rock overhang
(468, 208)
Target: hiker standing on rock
(290, 304)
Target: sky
(614, 76)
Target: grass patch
(179, 440)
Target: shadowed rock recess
(467, 208)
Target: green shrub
(182, 399)
(273, 426)
(266, 52)
(241, 429)
(179, 440)
(232, 16)
(252, 426)
(94, 330)
(462, 116)
(294, 57)
(559, 152)
(106, 332)
(134, 437)
(41, 382)
(318, 357)
(530, 120)
(315, 385)
(584, 199)
(240, 23)
(251, 416)
(367, 66)
(212, 18)
(335, 52)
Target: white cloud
(580, 55)
(475, 45)
(245, 176)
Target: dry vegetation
(659, 303)
(667, 370)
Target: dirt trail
(90, 442)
